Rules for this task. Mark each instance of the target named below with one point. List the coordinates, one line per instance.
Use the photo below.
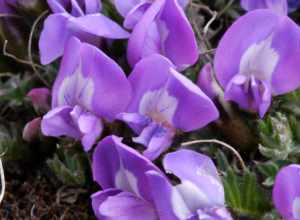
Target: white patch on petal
(186, 199)
(76, 89)
(296, 208)
(125, 180)
(158, 105)
(179, 206)
(260, 60)
(164, 34)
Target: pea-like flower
(90, 87)
(164, 101)
(253, 60)
(286, 192)
(134, 188)
(158, 27)
(75, 18)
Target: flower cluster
(253, 62)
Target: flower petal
(58, 122)
(124, 7)
(127, 206)
(279, 6)
(116, 165)
(92, 6)
(91, 127)
(162, 190)
(89, 78)
(55, 32)
(58, 6)
(271, 28)
(197, 174)
(161, 139)
(100, 26)
(156, 73)
(286, 192)
(206, 81)
(99, 197)
(167, 19)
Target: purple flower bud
(40, 98)
(32, 129)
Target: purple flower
(40, 98)
(83, 20)
(253, 60)
(164, 101)
(286, 192)
(158, 27)
(134, 188)
(90, 87)
(207, 83)
(279, 6)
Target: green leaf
(69, 167)
(277, 137)
(243, 194)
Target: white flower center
(159, 106)
(296, 208)
(259, 60)
(76, 89)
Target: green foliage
(278, 140)
(243, 193)
(69, 167)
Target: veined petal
(116, 165)
(286, 192)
